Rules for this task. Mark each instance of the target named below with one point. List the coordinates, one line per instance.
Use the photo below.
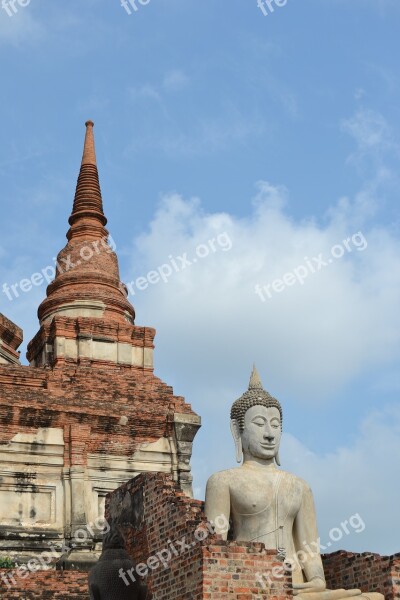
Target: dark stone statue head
(113, 540)
(114, 576)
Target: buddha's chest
(265, 498)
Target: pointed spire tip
(89, 153)
(255, 381)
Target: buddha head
(256, 423)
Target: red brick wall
(10, 337)
(156, 517)
(32, 398)
(153, 513)
(160, 523)
(49, 585)
(368, 572)
(244, 571)
(395, 577)
(10, 333)
(87, 404)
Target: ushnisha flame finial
(255, 381)
(255, 395)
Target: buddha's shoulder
(226, 476)
(238, 474)
(295, 480)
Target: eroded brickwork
(168, 536)
(32, 398)
(153, 514)
(111, 423)
(366, 571)
(44, 585)
(243, 571)
(88, 414)
(10, 340)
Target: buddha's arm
(306, 539)
(218, 504)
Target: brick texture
(158, 520)
(31, 398)
(45, 585)
(107, 404)
(166, 532)
(366, 571)
(10, 339)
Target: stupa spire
(89, 152)
(87, 218)
(87, 274)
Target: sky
(251, 156)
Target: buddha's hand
(316, 584)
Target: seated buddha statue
(266, 504)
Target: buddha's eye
(275, 424)
(259, 423)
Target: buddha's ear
(277, 459)
(235, 429)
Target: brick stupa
(88, 413)
(88, 416)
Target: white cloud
(311, 340)
(358, 479)
(328, 321)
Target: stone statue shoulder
(296, 481)
(293, 484)
(223, 478)
(238, 475)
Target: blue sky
(280, 132)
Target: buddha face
(261, 435)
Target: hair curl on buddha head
(113, 540)
(255, 396)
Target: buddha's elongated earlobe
(235, 429)
(239, 451)
(277, 459)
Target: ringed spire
(87, 216)
(87, 280)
